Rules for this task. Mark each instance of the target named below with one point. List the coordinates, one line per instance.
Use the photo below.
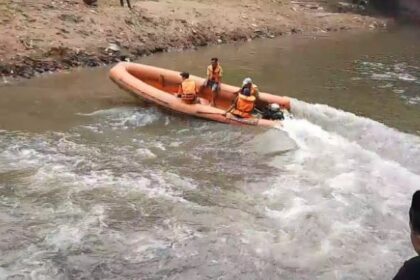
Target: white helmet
(246, 81)
(274, 107)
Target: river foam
(343, 198)
(325, 197)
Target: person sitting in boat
(244, 104)
(187, 89)
(214, 78)
(253, 88)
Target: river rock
(113, 47)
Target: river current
(97, 185)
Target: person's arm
(229, 109)
(220, 74)
(257, 93)
(232, 106)
(238, 91)
(209, 72)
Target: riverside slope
(46, 36)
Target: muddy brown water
(97, 185)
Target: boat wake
(349, 182)
(371, 135)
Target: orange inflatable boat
(160, 86)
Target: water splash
(123, 118)
(390, 143)
(341, 190)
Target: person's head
(184, 75)
(415, 221)
(274, 107)
(214, 61)
(247, 82)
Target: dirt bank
(44, 35)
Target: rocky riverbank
(47, 36)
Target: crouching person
(188, 89)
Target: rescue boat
(160, 86)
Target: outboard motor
(273, 112)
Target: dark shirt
(410, 270)
(246, 91)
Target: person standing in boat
(214, 78)
(187, 89)
(411, 268)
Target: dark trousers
(128, 3)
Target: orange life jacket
(188, 90)
(244, 106)
(214, 74)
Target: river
(97, 185)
